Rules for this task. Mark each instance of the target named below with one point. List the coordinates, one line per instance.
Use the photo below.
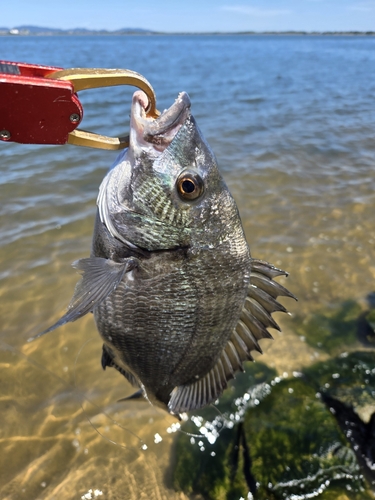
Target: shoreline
(242, 33)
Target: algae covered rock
(349, 377)
(298, 436)
(347, 387)
(282, 439)
(208, 465)
(370, 317)
(332, 330)
(367, 328)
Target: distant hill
(43, 31)
(25, 30)
(36, 29)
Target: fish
(178, 300)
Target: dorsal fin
(263, 267)
(261, 314)
(252, 326)
(268, 285)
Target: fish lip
(146, 131)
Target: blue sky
(194, 15)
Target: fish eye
(189, 185)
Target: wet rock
(347, 387)
(366, 328)
(287, 437)
(331, 330)
(220, 469)
(361, 435)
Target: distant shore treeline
(43, 31)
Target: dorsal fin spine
(233, 356)
(257, 310)
(257, 329)
(228, 364)
(273, 288)
(266, 268)
(220, 381)
(248, 336)
(220, 371)
(269, 303)
(241, 347)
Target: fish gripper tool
(40, 105)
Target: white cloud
(255, 11)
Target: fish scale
(141, 315)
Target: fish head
(166, 190)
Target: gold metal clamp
(92, 78)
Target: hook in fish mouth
(161, 131)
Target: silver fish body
(177, 298)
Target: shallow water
(292, 123)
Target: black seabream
(176, 296)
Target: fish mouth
(157, 133)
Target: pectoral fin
(100, 278)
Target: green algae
(370, 316)
(282, 441)
(332, 330)
(349, 377)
